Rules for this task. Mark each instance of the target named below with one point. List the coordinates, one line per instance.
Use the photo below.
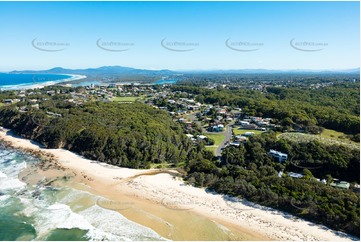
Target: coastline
(72, 77)
(164, 196)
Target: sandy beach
(44, 84)
(162, 201)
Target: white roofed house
(235, 143)
(243, 122)
(248, 134)
(278, 155)
(8, 101)
(295, 175)
(201, 137)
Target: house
(221, 111)
(240, 138)
(202, 137)
(262, 123)
(295, 175)
(216, 128)
(248, 134)
(51, 93)
(182, 120)
(341, 184)
(278, 155)
(53, 114)
(235, 143)
(249, 126)
(243, 123)
(236, 113)
(35, 106)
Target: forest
(334, 107)
(128, 135)
(136, 135)
(249, 172)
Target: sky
(180, 35)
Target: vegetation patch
(133, 135)
(238, 131)
(125, 99)
(218, 138)
(301, 137)
(211, 148)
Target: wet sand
(161, 201)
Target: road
(227, 139)
(227, 133)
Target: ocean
(44, 210)
(18, 81)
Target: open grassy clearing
(332, 134)
(211, 148)
(218, 138)
(300, 137)
(237, 131)
(125, 99)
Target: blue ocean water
(12, 81)
(45, 211)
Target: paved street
(228, 134)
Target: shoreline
(72, 77)
(164, 195)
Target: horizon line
(187, 70)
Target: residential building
(278, 155)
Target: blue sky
(267, 35)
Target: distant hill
(121, 70)
(109, 74)
(105, 70)
(128, 74)
(268, 71)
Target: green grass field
(325, 139)
(218, 138)
(125, 99)
(332, 134)
(237, 131)
(211, 148)
(2, 104)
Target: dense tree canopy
(131, 135)
(249, 172)
(335, 107)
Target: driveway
(227, 139)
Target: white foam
(58, 216)
(11, 184)
(2, 175)
(3, 199)
(112, 222)
(13, 168)
(74, 195)
(29, 208)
